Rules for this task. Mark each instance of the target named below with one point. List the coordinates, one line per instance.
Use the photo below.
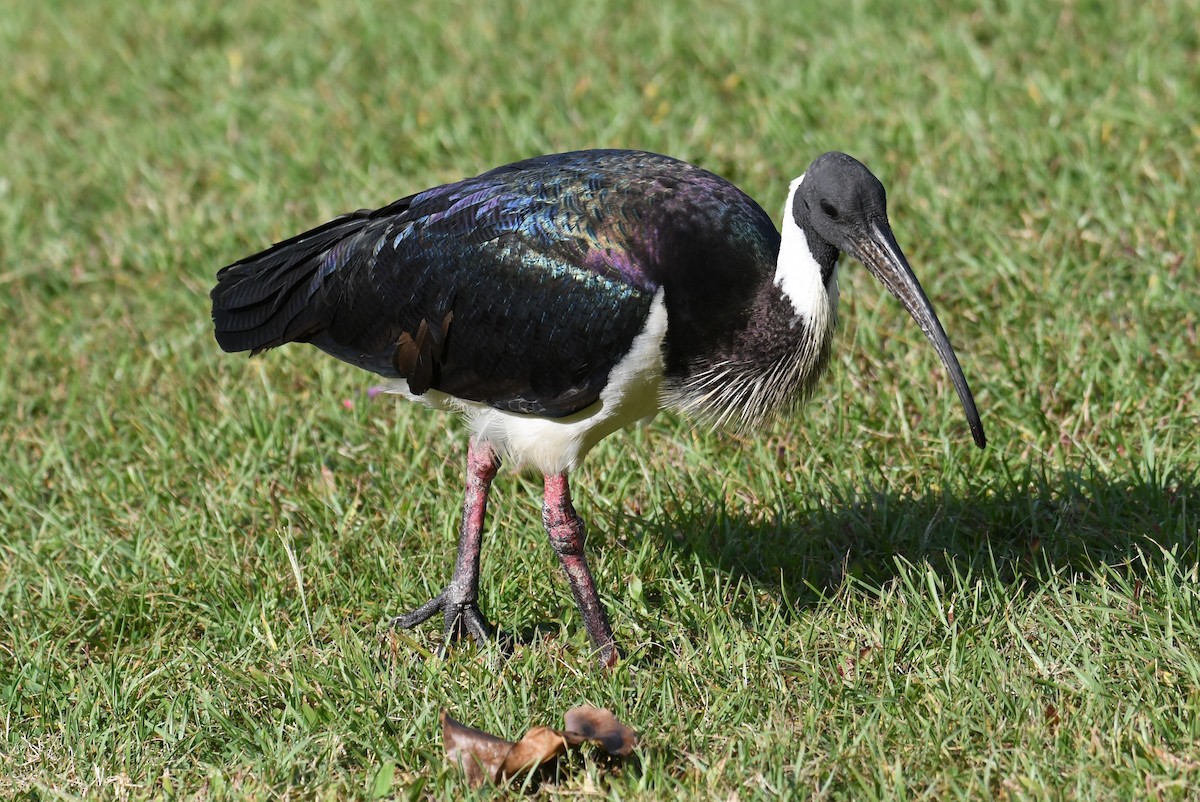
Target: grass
(198, 552)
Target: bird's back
(519, 288)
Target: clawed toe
(420, 615)
(461, 616)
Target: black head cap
(838, 198)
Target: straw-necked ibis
(556, 300)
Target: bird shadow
(1037, 526)
(1040, 526)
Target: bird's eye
(830, 211)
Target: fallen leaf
(480, 754)
(539, 745)
(1052, 717)
(484, 756)
(601, 727)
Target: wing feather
(520, 288)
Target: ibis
(555, 300)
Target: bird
(556, 300)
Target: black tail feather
(267, 299)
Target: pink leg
(567, 533)
(459, 600)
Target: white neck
(798, 274)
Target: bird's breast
(632, 394)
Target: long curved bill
(881, 254)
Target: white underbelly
(633, 393)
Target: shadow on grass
(1039, 525)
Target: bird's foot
(460, 612)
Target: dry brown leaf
(587, 723)
(539, 745)
(481, 755)
(484, 756)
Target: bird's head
(841, 206)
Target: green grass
(853, 604)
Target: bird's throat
(806, 269)
(770, 365)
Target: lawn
(199, 552)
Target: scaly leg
(459, 600)
(567, 532)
